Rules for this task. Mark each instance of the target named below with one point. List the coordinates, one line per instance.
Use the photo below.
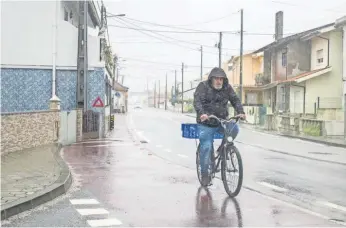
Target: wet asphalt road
(155, 184)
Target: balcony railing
(261, 79)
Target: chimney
(279, 25)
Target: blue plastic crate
(190, 131)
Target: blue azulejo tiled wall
(25, 89)
(30, 89)
(66, 89)
(96, 87)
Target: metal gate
(91, 124)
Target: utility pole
(166, 94)
(82, 58)
(158, 104)
(241, 57)
(182, 88)
(155, 95)
(201, 62)
(220, 48)
(117, 73)
(148, 91)
(175, 83)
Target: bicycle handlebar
(237, 118)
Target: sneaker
(205, 180)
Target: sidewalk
(32, 177)
(331, 141)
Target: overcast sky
(169, 50)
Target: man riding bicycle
(211, 98)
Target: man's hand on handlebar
(241, 116)
(204, 117)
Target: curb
(59, 187)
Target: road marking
(83, 201)
(181, 155)
(295, 206)
(168, 150)
(158, 146)
(95, 211)
(113, 145)
(335, 206)
(143, 137)
(273, 186)
(104, 222)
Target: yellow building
(252, 71)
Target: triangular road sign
(98, 103)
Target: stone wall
(29, 129)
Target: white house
(38, 37)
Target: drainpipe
(55, 101)
(328, 47)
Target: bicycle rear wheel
(232, 167)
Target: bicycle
(226, 150)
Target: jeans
(206, 140)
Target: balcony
(261, 79)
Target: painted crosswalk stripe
(158, 146)
(168, 150)
(83, 201)
(277, 188)
(94, 211)
(104, 222)
(181, 155)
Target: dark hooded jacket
(210, 101)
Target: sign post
(99, 104)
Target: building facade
(39, 42)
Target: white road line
(168, 150)
(95, 211)
(113, 145)
(142, 137)
(273, 186)
(83, 201)
(335, 206)
(181, 155)
(158, 146)
(298, 208)
(104, 222)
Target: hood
(218, 72)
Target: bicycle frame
(224, 144)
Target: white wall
(27, 36)
(317, 44)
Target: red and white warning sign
(98, 103)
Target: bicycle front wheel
(198, 166)
(232, 168)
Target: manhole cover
(322, 153)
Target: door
(68, 127)
(297, 99)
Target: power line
(163, 63)
(148, 34)
(140, 29)
(124, 22)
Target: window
(319, 56)
(284, 59)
